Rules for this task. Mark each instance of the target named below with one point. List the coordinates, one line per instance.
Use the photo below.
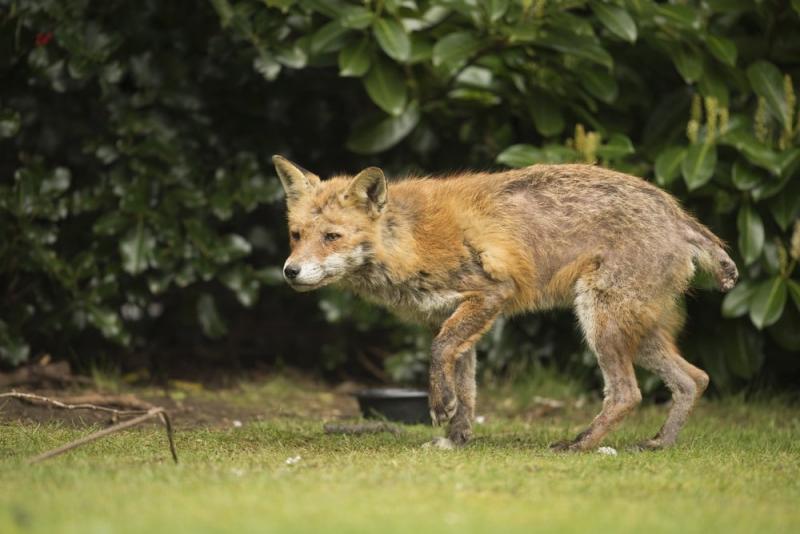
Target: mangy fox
(457, 252)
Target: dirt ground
(193, 404)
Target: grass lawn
(736, 469)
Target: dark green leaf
(752, 149)
(107, 321)
(785, 207)
(744, 176)
(668, 164)
(13, 348)
(737, 302)
(386, 87)
(794, 291)
(751, 233)
(698, 165)
(495, 9)
(329, 38)
(682, 16)
(768, 301)
(576, 45)
(209, 318)
(722, 48)
(354, 59)
(546, 115)
(329, 8)
(600, 83)
(294, 56)
(267, 67)
(243, 283)
(453, 50)
(768, 188)
(519, 156)
(688, 63)
(9, 123)
(393, 39)
(421, 49)
(356, 17)
(767, 82)
(785, 331)
(383, 134)
(137, 249)
(616, 19)
(743, 350)
(617, 146)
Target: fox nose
(291, 272)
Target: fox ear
(296, 180)
(368, 190)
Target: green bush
(138, 141)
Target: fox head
(333, 224)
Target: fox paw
(440, 443)
(653, 444)
(442, 412)
(459, 436)
(567, 446)
(443, 400)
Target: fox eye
(294, 235)
(332, 236)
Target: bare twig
(152, 413)
(38, 399)
(143, 415)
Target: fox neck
(393, 259)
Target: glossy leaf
(767, 82)
(383, 134)
(688, 63)
(386, 87)
(354, 59)
(751, 233)
(737, 301)
(600, 83)
(698, 165)
(137, 249)
(495, 9)
(744, 176)
(785, 207)
(547, 116)
(616, 19)
(453, 50)
(392, 38)
(723, 49)
(768, 300)
(794, 291)
(668, 164)
(329, 38)
(617, 146)
(356, 17)
(576, 45)
(209, 318)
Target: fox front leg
(458, 335)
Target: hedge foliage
(136, 138)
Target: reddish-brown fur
(457, 252)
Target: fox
(454, 253)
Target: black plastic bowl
(394, 404)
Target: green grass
(736, 469)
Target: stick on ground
(153, 412)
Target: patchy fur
(455, 253)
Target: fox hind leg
(460, 430)
(685, 381)
(613, 340)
